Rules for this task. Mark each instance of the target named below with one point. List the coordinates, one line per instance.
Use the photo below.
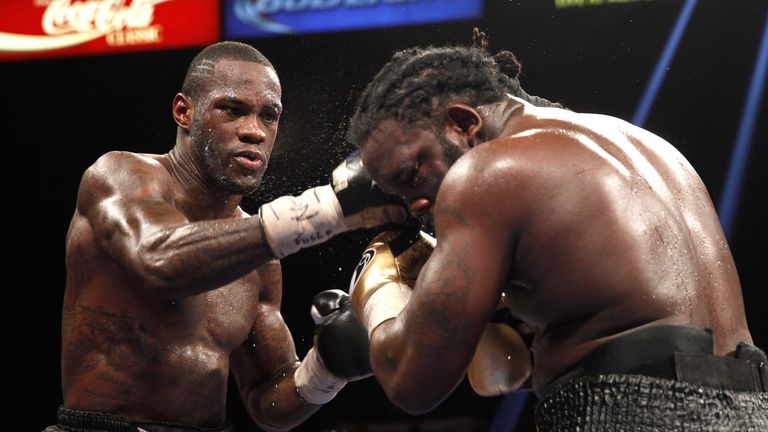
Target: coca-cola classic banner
(31, 29)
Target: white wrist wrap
(292, 223)
(385, 303)
(314, 382)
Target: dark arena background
(688, 71)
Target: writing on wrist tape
(291, 223)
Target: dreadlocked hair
(417, 84)
(508, 65)
(505, 60)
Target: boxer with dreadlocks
(597, 234)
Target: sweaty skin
(169, 283)
(591, 226)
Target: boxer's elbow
(160, 272)
(266, 417)
(155, 271)
(414, 391)
(400, 370)
(413, 401)
(405, 389)
(271, 427)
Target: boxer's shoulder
(118, 159)
(490, 170)
(121, 172)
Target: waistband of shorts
(681, 353)
(78, 420)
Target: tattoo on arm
(452, 214)
(449, 291)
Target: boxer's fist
(363, 203)
(382, 281)
(352, 201)
(340, 339)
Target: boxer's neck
(496, 115)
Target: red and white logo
(42, 28)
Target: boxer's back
(619, 234)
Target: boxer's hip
(678, 353)
(660, 378)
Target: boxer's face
(235, 124)
(410, 161)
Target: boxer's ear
(182, 110)
(463, 119)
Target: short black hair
(417, 84)
(202, 65)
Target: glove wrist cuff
(314, 382)
(384, 304)
(291, 223)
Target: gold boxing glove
(502, 361)
(382, 281)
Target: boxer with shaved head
(171, 286)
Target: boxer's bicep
(126, 227)
(269, 345)
(267, 352)
(121, 199)
(264, 364)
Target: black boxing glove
(363, 203)
(340, 351)
(351, 201)
(340, 339)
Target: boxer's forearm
(419, 344)
(201, 256)
(277, 406)
(387, 363)
(409, 372)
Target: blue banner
(258, 18)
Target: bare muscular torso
(619, 233)
(129, 352)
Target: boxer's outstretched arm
(265, 364)
(127, 200)
(422, 355)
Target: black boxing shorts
(634, 403)
(659, 378)
(90, 421)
